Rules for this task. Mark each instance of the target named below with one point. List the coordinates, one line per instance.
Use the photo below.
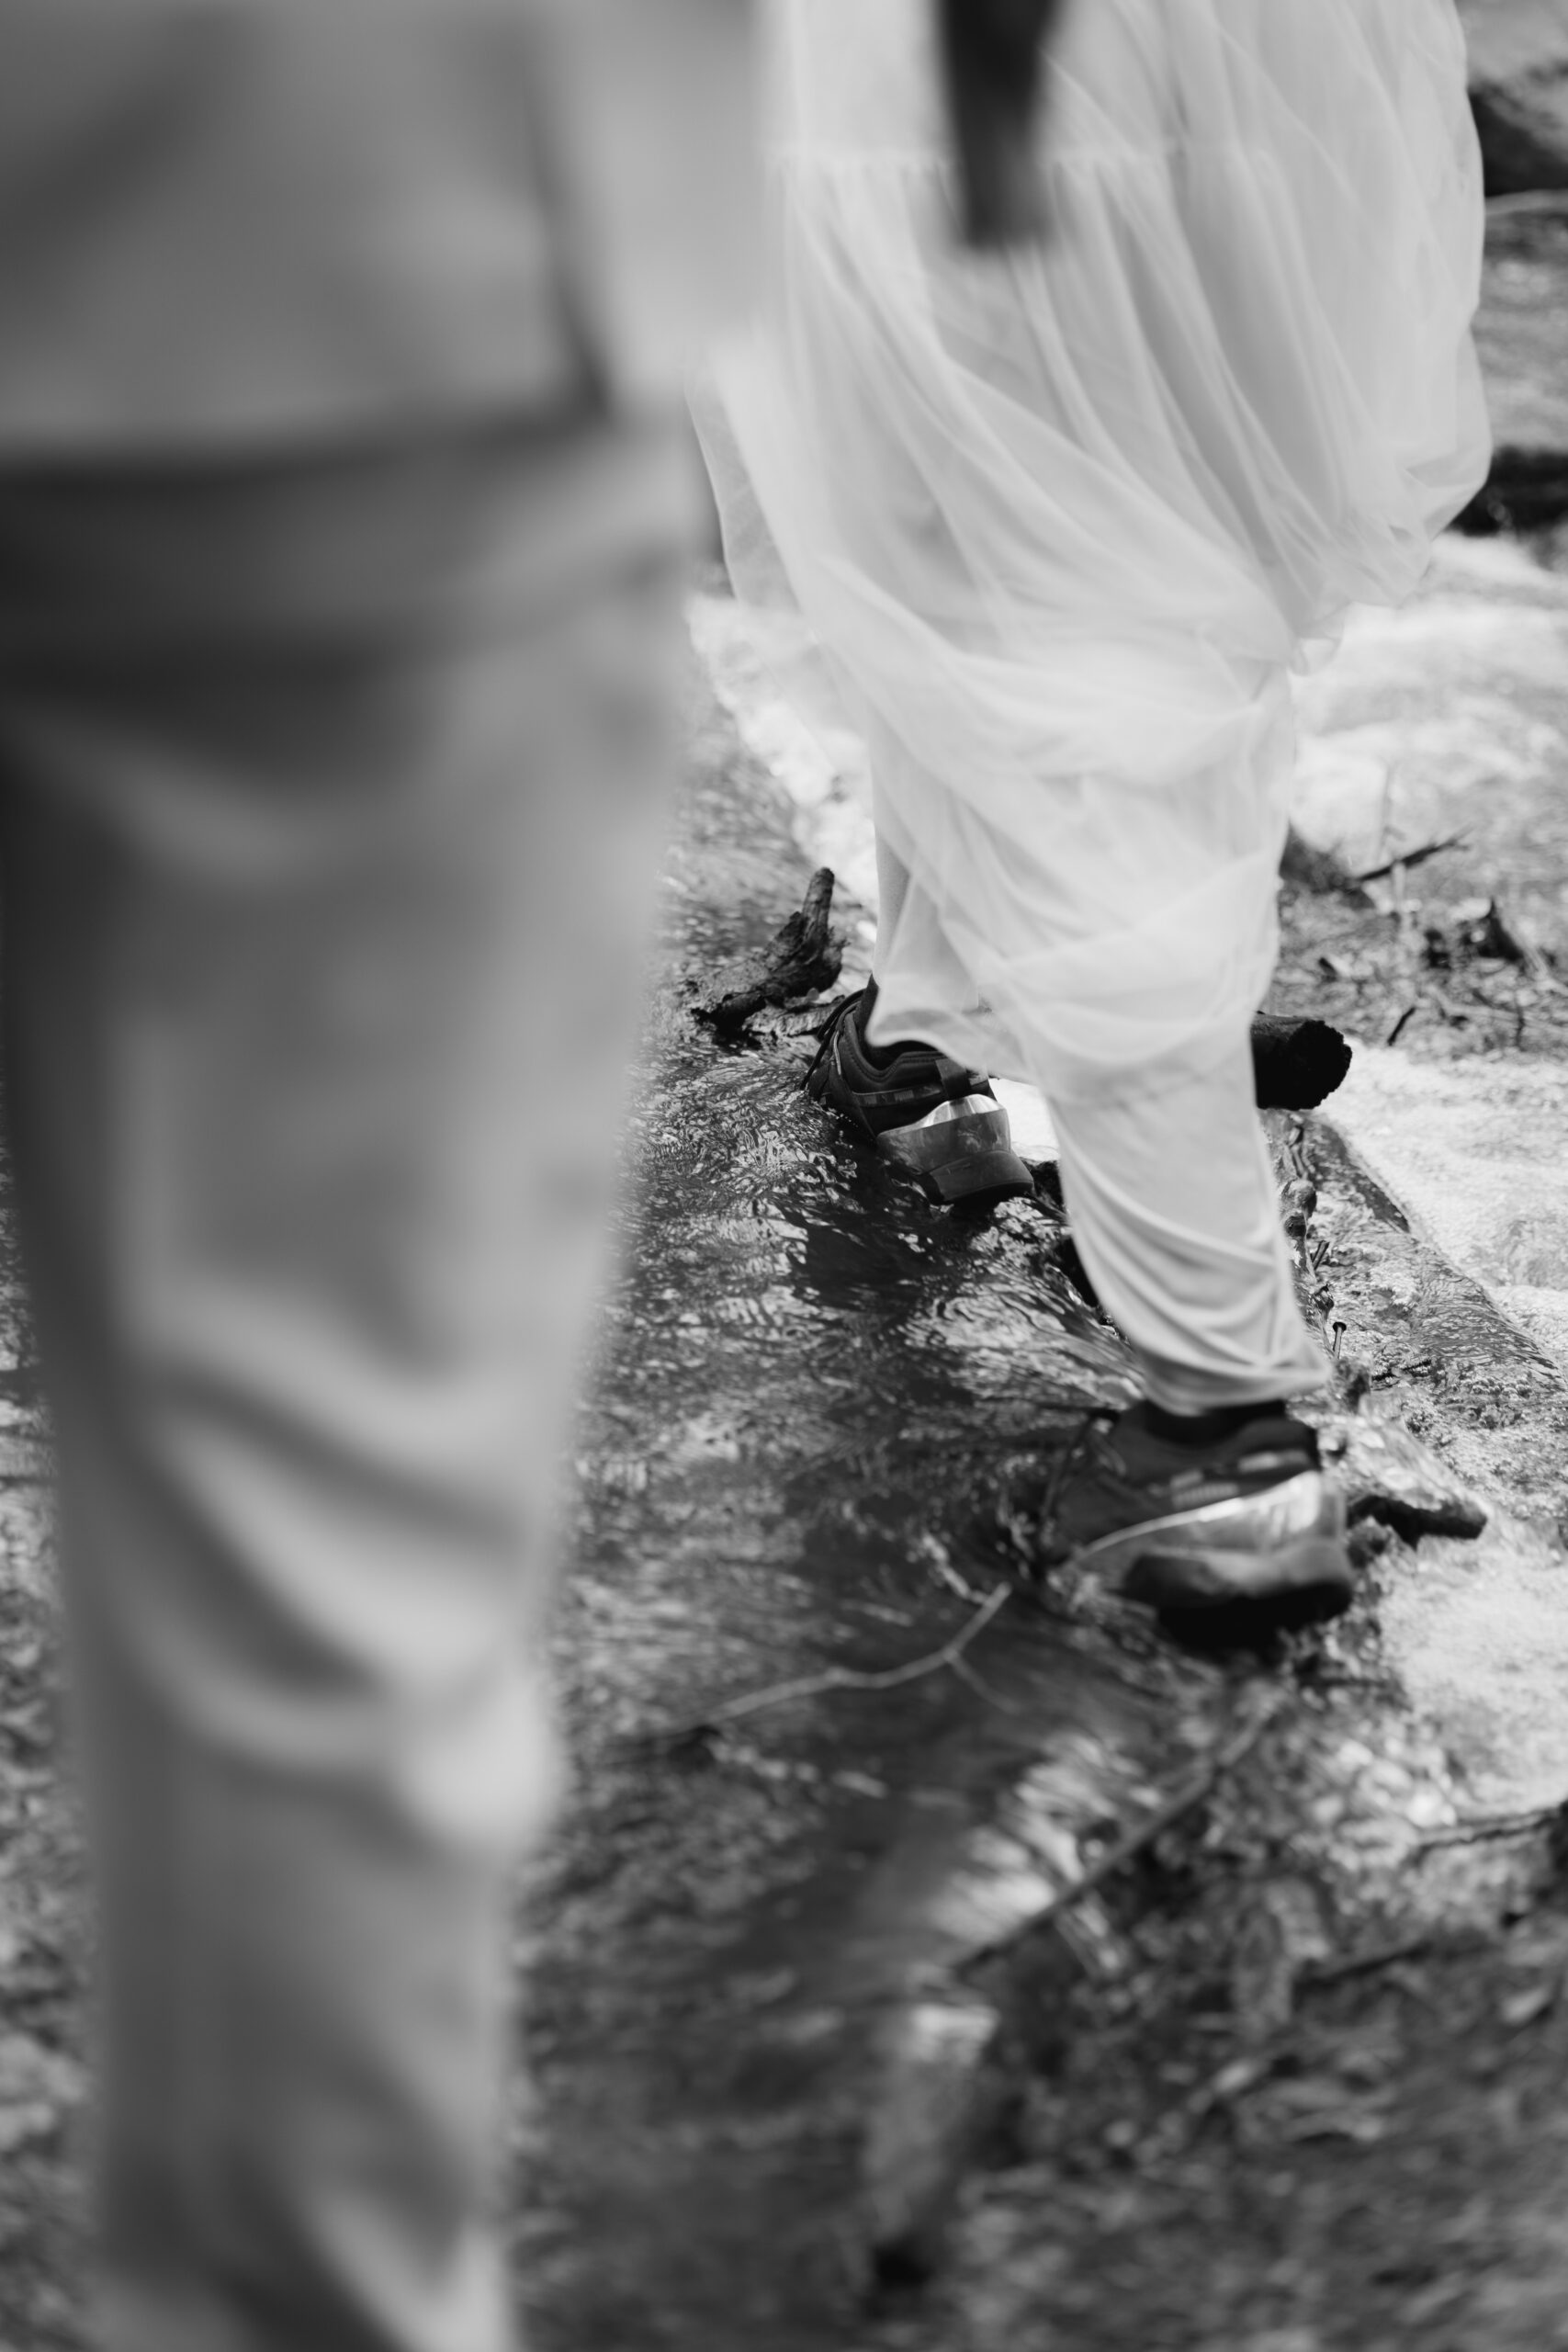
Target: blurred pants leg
(331, 799)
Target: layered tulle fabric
(1052, 529)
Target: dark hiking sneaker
(930, 1116)
(1247, 1515)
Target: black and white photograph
(783, 1175)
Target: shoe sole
(1285, 1543)
(960, 1151)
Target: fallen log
(1297, 1064)
(803, 957)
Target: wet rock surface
(1413, 1334)
(1434, 751)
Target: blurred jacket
(263, 220)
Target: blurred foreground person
(342, 509)
(1053, 524)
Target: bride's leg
(1208, 1490)
(929, 1115)
(1174, 1212)
(892, 890)
(893, 880)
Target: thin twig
(982, 1689)
(1409, 858)
(1062, 1468)
(1484, 1827)
(1367, 1962)
(1195, 1791)
(837, 1678)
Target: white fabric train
(1052, 529)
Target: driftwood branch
(804, 956)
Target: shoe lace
(827, 1035)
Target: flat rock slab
(1451, 716)
(1477, 1152)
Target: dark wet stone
(938, 2095)
(1521, 332)
(1519, 87)
(1296, 1065)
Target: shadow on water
(812, 1389)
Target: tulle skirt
(1052, 529)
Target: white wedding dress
(1052, 529)
(1055, 528)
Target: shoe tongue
(887, 1058)
(1215, 1440)
(909, 1059)
(907, 1052)
(1279, 1434)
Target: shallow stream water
(810, 1388)
(756, 2009)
